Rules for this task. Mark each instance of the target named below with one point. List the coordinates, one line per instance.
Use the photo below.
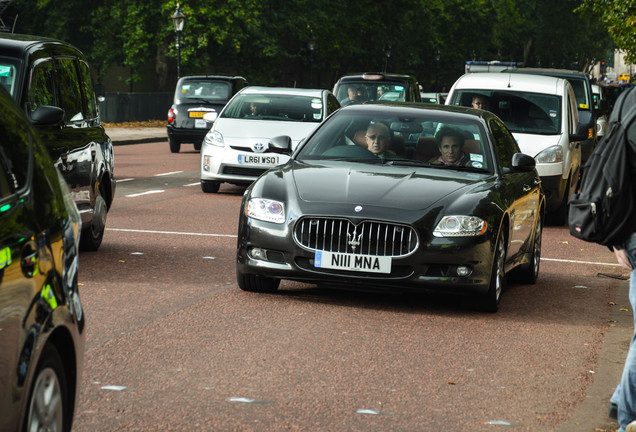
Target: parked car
(376, 86)
(337, 214)
(235, 150)
(582, 87)
(41, 318)
(541, 111)
(195, 96)
(51, 81)
(601, 107)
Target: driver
(450, 143)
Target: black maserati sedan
(399, 196)
(42, 331)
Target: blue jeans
(625, 394)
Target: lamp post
(387, 52)
(311, 44)
(179, 20)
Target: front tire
(490, 302)
(256, 283)
(208, 186)
(530, 274)
(48, 399)
(92, 236)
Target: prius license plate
(257, 159)
(352, 262)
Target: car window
(523, 112)
(580, 91)
(70, 92)
(204, 89)
(505, 144)
(332, 104)
(8, 75)
(15, 154)
(42, 86)
(89, 91)
(275, 107)
(412, 139)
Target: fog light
(206, 167)
(463, 271)
(258, 253)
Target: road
(173, 344)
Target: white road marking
(145, 193)
(580, 262)
(171, 232)
(124, 180)
(168, 173)
(193, 184)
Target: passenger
(379, 140)
(479, 102)
(354, 95)
(450, 143)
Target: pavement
(136, 135)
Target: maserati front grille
(366, 238)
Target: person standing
(623, 401)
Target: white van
(541, 112)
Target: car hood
(239, 132)
(378, 185)
(533, 144)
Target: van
(51, 82)
(541, 112)
(582, 87)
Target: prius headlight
(460, 226)
(552, 154)
(214, 138)
(265, 210)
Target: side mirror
(523, 162)
(280, 144)
(47, 115)
(582, 133)
(210, 117)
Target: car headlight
(265, 210)
(460, 226)
(214, 138)
(552, 154)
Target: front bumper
(236, 166)
(431, 268)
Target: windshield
(9, 75)
(365, 90)
(414, 138)
(203, 89)
(523, 112)
(278, 107)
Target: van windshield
(523, 112)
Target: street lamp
(179, 20)
(387, 52)
(311, 44)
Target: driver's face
(378, 139)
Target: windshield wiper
(406, 162)
(460, 168)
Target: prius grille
(365, 238)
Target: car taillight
(171, 116)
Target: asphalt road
(173, 344)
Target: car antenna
(509, 78)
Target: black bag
(603, 210)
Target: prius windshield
(277, 107)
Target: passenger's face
(378, 138)
(451, 149)
(354, 93)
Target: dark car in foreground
(376, 86)
(336, 214)
(41, 319)
(51, 81)
(194, 97)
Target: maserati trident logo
(353, 240)
(258, 147)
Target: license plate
(196, 114)
(198, 123)
(258, 159)
(352, 262)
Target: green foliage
(266, 40)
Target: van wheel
(175, 145)
(48, 399)
(559, 216)
(91, 237)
